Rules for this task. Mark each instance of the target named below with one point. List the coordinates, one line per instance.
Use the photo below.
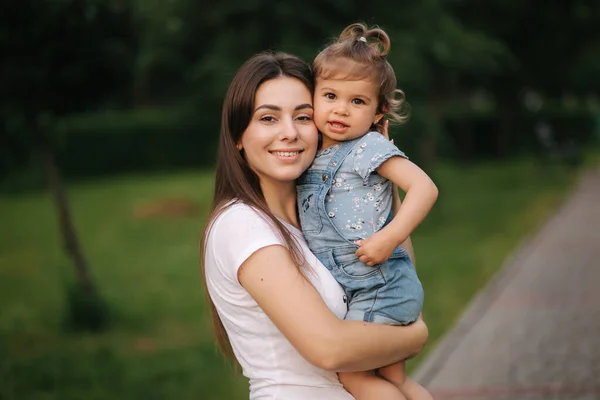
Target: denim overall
(388, 293)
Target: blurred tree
(556, 48)
(433, 52)
(61, 57)
(443, 52)
(195, 49)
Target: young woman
(275, 307)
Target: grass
(159, 345)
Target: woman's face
(281, 140)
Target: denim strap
(340, 155)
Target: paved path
(534, 332)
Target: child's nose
(341, 110)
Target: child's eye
(358, 101)
(330, 96)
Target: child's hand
(376, 249)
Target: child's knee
(353, 379)
(394, 373)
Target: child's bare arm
(421, 194)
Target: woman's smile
(287, 155)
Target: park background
(109, 118)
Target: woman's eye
(304, 118)
(267, 118)
(358, 101)
(330, 96)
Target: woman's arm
(299, 312)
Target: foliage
(162, 54)
(474, 134)
(59, 57)
(555, 44)
(151, 139)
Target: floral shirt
(360, 200)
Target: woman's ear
(239, 145)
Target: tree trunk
(67, 228)
(506, 128)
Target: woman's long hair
(235, 181)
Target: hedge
(157, 139)
(107, 143)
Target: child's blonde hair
(360, 53)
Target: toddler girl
(345, 197)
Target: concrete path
(534, 332)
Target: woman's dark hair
(235, 181)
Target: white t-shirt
(275, 369)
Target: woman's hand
(386, 130)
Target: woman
(275, 307)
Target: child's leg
(396, 374)
(413, 391)
(366, 386)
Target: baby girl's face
(344, 109)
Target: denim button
(334, 163)
(331, 214)
(324, 178)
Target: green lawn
(159, 345)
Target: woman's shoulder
(237, 232)
(237, 219)
(236, 211)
